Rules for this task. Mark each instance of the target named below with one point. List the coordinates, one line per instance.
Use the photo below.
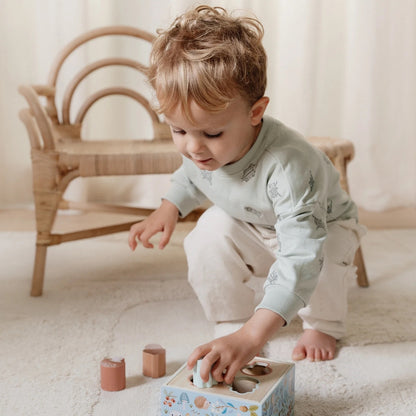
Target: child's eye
(178, 131)
(213, 136)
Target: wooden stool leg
(340, 153)
(361, 271)
(362, 280)
(38, 270)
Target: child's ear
(258, 109)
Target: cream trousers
(229, 259)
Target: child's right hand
(162, 220)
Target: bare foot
(315, 346)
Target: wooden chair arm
(44, 90)
(26, 117)
(40, 116)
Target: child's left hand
(224, 356)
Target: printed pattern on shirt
(274, 190)
(311, 181)
(253, 211)
(207, 175)
(272, 279)
(249, 172)
(319, 223)
(329, 207)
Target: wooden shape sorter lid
(264, 375)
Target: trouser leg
(327, 308)
(223, 255)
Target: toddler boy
(278, 208)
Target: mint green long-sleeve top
(284, 183)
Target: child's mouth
(203, 161)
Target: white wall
(342, 68)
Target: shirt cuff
(279, 299)
(183, 202)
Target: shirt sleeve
(183, 193)
(294, 275)
(301, 230)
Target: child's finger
(132, 240)
(197, 353)
(132, 244)
(218, 370)
(135, 231)
(231, 372)
(207, 363)
(167, 232)
(146, 235)
(145, 241)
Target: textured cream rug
(100, 299)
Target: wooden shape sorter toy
(261, 388)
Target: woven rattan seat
(119, 157)
(60, 154)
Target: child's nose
(194, 145)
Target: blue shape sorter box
(262, 388)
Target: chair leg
(39, 270)
(46, 207)
(362, 279)
(47, 195)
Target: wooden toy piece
(113, 374)
(261, 388)
(154, 361)
(197, 380)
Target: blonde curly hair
(208, 56)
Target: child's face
(216, 139)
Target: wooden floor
(24, 219)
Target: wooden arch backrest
(160, 129)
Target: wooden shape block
(261, 388)
(154, 361)
(113, 374)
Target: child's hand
(163, 220)
(224, 356)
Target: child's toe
(298, 353)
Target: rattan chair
(59, 153)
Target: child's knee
(210, 232)
(216, 219)
(341, 245)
